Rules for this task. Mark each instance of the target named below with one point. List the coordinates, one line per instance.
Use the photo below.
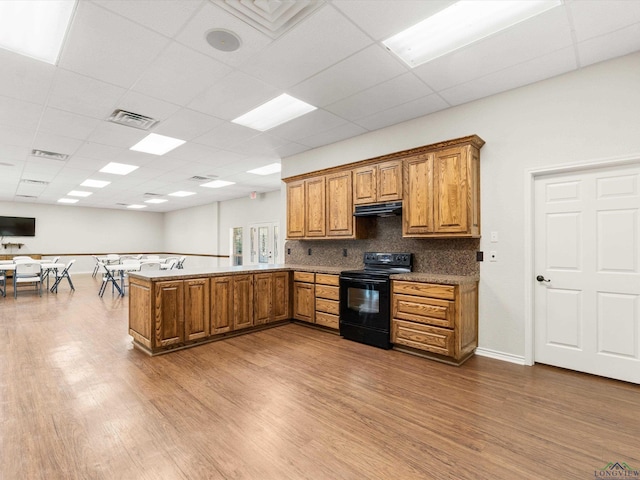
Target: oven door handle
(364, 281)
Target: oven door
(364, 302)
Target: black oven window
(363, 300)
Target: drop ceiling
(151, 58)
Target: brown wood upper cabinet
(442, 193)
(378, 183)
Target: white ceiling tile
(211, 17)
(333, 135)
(13, 154)
(384, 18)
(103, 45)
(367, 68)
(291, 148)
(264, 144)
(615, 44)
(83, 95)
(116, 135)
(179, 74)
(299, 54)
(24, 78)
(387, 95)
(29, 189)
(56, 143)
(592, 18)
(316, 121)
(16, 136)
(99, 151)
(18, 113)
(164, 17)
(404, 112)
(548, 66)
(497, 52)
(187, 124)
(194, 152)
(86, 164)
(233, 96)
(67, 124)
(42, 169)
(226, 135)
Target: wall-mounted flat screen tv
(17, 227)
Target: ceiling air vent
(63, 157)
(130, 119)
(34, 182)
(6, 164)
(123, 204)
(199, 178)
(148, 194)
(26, 196)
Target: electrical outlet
(344, 252)
(288, 251)
(479, 256)
(309, 252)
(493, 256)
(494, 237)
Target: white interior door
(587, 251)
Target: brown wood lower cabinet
(304, 296)
(169, 314)
(327, 293)
(437, 320)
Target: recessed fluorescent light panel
(68, 200)
(157, 144)
(275, 112)
(136, 206)
(267, 169)
(217, 184)
(118, 168)
(36, 28)
(156, 200)
(181, 193)
(79, 193)
(95, 183)
(461, 24)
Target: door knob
(540, 278)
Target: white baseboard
(505, 357)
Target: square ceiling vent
(271, 17)
(130, 119)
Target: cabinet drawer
(446, 292)
(326, 291)
(422, 337)
(327, 279)
(327, 320)
(431, 311)
(303, 277)
(327, 306)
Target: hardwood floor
(78, 402)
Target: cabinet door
(263, 297)
(340, 217)
(390, 181)
(315, 207)
(196, 309)
(365, 185)
(280, 303)
(304, 301)
(451, 202)
(169, 314)
(295, 209)
(417, 215)
(221, 304)
(242, 301)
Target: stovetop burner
(382, 265)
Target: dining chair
(169, 264)
(107, 277)
(63, 274)
(27, 272)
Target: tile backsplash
(443, 256)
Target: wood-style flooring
(78, 402)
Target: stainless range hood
(389, 209)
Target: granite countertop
(167, 275)
(436, 278)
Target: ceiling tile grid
(151, 58)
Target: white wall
(242, 212)
(581, 116)
(77, 230)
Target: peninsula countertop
(168, 275)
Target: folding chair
(3, 283)
(27, 272)
(107, 277)
(180, 264)
(61, 275)
(96, 267)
